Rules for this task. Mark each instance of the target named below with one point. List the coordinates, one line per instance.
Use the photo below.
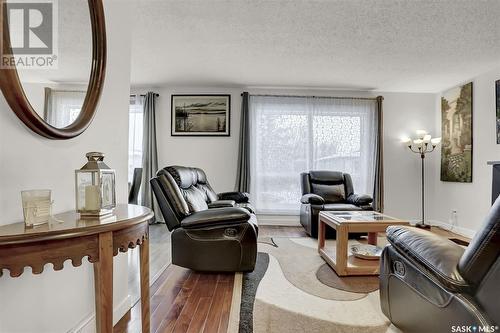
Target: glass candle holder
(37, 207)
(95, 187)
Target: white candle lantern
(95, 187)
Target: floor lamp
(422, 145)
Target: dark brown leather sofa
(328, 191)
(210, 231)
(430, 284)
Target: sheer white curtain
(62, 107)
(135, 134)
(291, 135)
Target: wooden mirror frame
(14, 93)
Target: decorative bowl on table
(366, 251)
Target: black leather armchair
(210, 232)
(430, 284)
(328, 191)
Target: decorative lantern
(95, 187)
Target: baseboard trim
(160, 272)
(87, 325)
(453, 228)
(279, 220)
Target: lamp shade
(436, 141)
(421, 133)
(406, 141)
(418, 141)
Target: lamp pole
(423, 145)
(422, 158)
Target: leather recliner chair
(430, 284)
(328, 191)
(210, 232)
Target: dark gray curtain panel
(47, 105)
(149, 153)
(378, 190)
(243, 171)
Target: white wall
(57, 301)
(403, 113)
(471, 200)
(218, 156)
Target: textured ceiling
(414, 46)
(74, 47)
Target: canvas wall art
(201, 115)
(456, 123)
(497, 97)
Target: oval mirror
(53, 63)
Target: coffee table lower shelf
(352, 266)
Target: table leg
(144, 268)
(321, 234)
(372, 238)
(103, 284)
(341, 250)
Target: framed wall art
(201, 115)
(456, 127)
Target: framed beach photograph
(456, 122)
(497, 98)
(201, 115)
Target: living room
(324, 89)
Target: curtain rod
(330, 97)
(143, 95)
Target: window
(291, 135)
(62, 107)
(135, 135)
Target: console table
(69, 237)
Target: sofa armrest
(359, 199)
(222, 203)
(435, 255)
(216, 216)
(239, 197)
(312, 199)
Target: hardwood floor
(186, 301)
(449, 234)
(281, 231)
(159, 258)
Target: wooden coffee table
(349, 222)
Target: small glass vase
(37, 207)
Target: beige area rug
(355, 284)
(288, 297)
(281, 307)
(300, 263)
